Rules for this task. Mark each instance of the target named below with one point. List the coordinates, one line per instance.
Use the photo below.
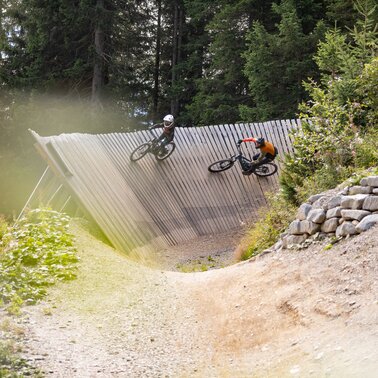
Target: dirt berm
(306, 313)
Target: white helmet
(168, 120)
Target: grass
(11, 364)
(198, 265)
(273, 220)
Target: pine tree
(223, 85)
(277, 63)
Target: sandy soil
(307, 313)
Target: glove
(240, 141)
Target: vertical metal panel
(159, 203)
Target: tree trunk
(176, 50)
(98, 68)
(157, 65)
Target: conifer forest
(115, 66)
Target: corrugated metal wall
(159, 203)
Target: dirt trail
(309, 313)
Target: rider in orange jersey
(268, 153)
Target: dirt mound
(293, 313)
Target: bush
(323, 179)
(273, 220)
(366, 151)
(36, 252)
(367, 84)
(339, 123)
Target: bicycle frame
(239, 156)
(154, 144)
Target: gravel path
(310, 313)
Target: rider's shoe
(163, 151)
(249, 170)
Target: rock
(295, 228)
(310, 227)
(367, 223)
(372, 181)
(344, 192)
(353, 202)
(375, 191)
(303, 211)
(277, 246)
(359, 190)
(371, 203)
(354, 214)
(330, 225)
(347, 228)
(364, 181)
(293, 240)
(334, 202)
(314, 198)
(316, 215)
(321, 203)
(335, 212)
(298, 227)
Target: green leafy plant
(366, 150)
(36, 252)
(339, 122)
(325, 178)
(273, 220)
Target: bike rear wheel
(221, 165)
(265, 170)
(165, 152)
(140, 151)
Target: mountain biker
(168, 133)
(268, 153)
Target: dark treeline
(206, 62)
(103, 66)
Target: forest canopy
(104, 66)
(205, 62)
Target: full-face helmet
(168, 120)
(260, 142)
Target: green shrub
(273, 220)
(327, 177)
(366, 151)
(36, 252)
(339, 122)
(367, 84)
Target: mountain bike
(263, 170)
(155, 147)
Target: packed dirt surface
(306, 313)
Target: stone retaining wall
(351, 211)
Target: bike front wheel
(265, 170)
(140, 151)
(221, 165)
(165, 151)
